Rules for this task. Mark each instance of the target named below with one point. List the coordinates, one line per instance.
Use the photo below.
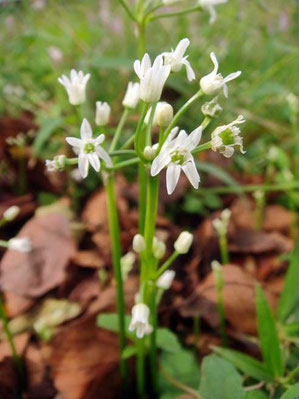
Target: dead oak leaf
(34, 273)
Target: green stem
(176, 13)
(127, 9)
(202, 147)
(128, 143)
(16, 358)
(167, 264)
(179, 114)
(3, 243)
(140, 368)
(223, 249)
(122, 152)
(153, 340)
(116, 255)
(119, 129)
(220, 304)
(122, 164)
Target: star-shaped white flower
(152, 78)
(225, 138)
(176, 59)
(210, 6)
(214, 81)
(176, 156)
(75, 86)
(88, 149)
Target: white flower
(11, 213)
(210, 6)
(132, 97)
(221, 224)
(183, 242)
(214, 81)
(176, 155)
(89, 149)
(165, 280)
(103, 111)
(56, 164)
(75, 86)
(20, 244)
(163, 114)
(127, 262)
(159, 248)
(212, 108)
(224, 138)
(138, 243)
(139, 321)
(152, 78)
(176, 59)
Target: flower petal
(94, 161)
(215, 62)
(190, 171)
(73, 141)
(189, 70)
(160, 162)
(172, 177)
(83, 164)
(104, 155)
(85, 130)
(181, 48)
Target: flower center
(178, 157)
(227, 137)
(89, 147)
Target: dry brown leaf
(258, 242)
(84, 361)
(238, 296)
(44, 268)
(277, 218)
(89, 258)
(16, 304)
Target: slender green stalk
(3, 243)
(128, 143)
(119, 129)
(260, 202)
(167, 264)
(223, 249)
(16, 358)
(148, 266)
(176, 13)
(202, 147)
(179, 114)
(122, 152)
(116, 255)
(122, 164)
(148, 137)
(140, 368)
(127, 9)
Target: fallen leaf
(89, 258)
(34, 273)
(277, 218)
(16, 304)
(238, 297)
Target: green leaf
(292, 392)
(182, 367)
(248, 365)
(110, 322)
(49, 126)
(167, 340)
(289, 298)
(129, 351)
(220, 380)
(268, 335)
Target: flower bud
(159, 248)
(20, 244)
(131, 98)
(103, 111)
(163, 114)
(11, 213)
(165, 280)
(216, 266)
(212, 108)
(75, 86)
(138, 243)
(139, 321)
(183, 242)
(150, 152)
(126, 263)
